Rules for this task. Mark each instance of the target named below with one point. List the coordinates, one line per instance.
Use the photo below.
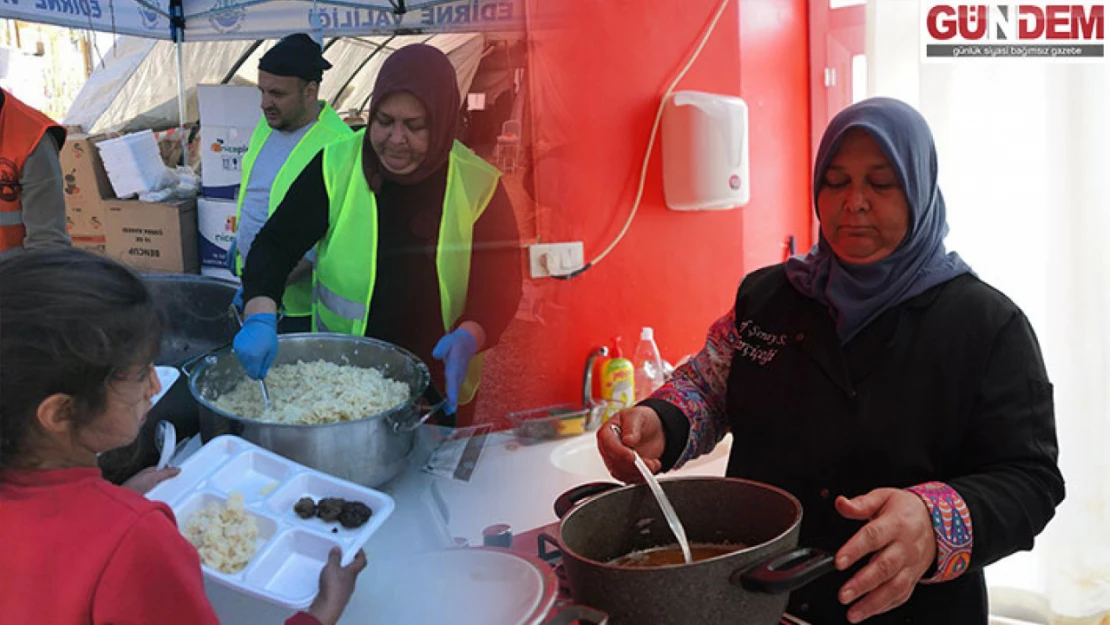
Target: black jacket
(406, 309)
(949, 386)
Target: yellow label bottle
(618, 384)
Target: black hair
(71, 322)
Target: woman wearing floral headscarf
(416, 240)
(901, 399)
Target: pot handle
(542, 542)
(576, 614)
(191, 364)
(574, 496)
(402, 426)
(785, 572)
(435, 398)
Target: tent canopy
(208, 20)
(131, 90)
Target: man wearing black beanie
(294, 128)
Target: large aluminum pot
(750, 585)
(369, 451)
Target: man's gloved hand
(232, 254)
(455, 350)
(256, 344)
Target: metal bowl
(369, 451)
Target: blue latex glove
(237, 300)
(256, 345)
(455, 350)
(232, 253)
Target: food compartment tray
(196, 470)
(197, 501)
(319, 485)
(291, 551)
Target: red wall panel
(674, 271)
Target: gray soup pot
(369, 451)
(749, 586)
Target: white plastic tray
(285, 568)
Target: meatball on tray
(236, 501)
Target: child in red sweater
(78, 334)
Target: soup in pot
(672, 554)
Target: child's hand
(148, 478)
(337, 584)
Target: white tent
(207, 20)
(256, 20)
(131, 90)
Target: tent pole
(177, 31)
(181, 106)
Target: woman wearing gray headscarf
(901, 399)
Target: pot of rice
(345, 405)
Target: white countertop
(517, 484)
(512, 483)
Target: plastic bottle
(617, 381)
(595, 369)
(649, 365)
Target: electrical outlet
(556, 259)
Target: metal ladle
(668, 510)
(261, 383)
(664, 504)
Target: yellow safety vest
(328, 129)
(346, 264)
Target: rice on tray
(316, 392)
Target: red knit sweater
(79, 550)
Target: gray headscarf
(857, 294)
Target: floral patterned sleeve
(698, 387)
(951, 526)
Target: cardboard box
(85, 221)
(228, 116)
(86, 182)
(216, 229)
(221, 159)
(153, 237)
(85, 185)
(98, 245)
(169, 144)
(229, 105)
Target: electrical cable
(651, 144)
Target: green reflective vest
(346, 264)
(328, 129)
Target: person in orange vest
(32, 200)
